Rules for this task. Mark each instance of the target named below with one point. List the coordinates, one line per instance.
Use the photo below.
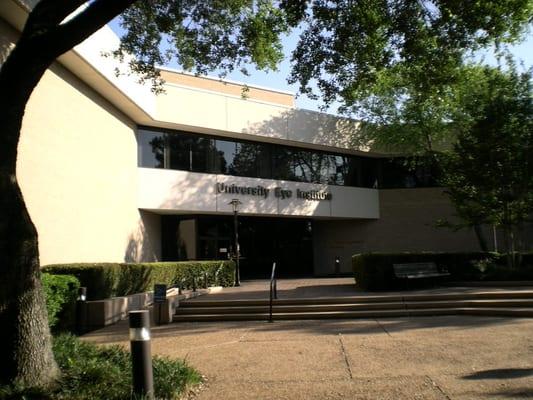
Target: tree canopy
(489, 173)
(349, 46)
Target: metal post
(495, 238)
(237, 249)
(235, 204)
(141, 356)
(81, 311)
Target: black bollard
(81, 311)
(337, 265)
(141, 355)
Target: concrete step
(485, 311)
(245, 309)
(363, 299)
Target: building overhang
(181, 192)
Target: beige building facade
(111, 172)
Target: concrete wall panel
(192, 107)
(77, 171)
(164, 190)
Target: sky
(278, 79)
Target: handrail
(273, 290)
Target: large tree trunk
(25, 342)
(480, 235)
(25, 345)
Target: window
(205, 154)
(178, 152)
(151, 149)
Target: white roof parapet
(94, 50)
(224, 80)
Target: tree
(489, 173)
(401, 67)
(391, 63)
(345, 45)
(206, 35)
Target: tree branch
(83, 25)
(49, 13)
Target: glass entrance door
(286, 241)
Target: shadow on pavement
(514, 393)
(119, 332)
(501, 373)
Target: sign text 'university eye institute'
(279, 192)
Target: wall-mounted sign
(278, 192)
(160, 293)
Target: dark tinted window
(199, 153)
(179, 149)
(226, 151)
(202, 153)
(151, 149)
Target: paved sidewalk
(456, 357)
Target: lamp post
(235, 203)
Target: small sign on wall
(160, 293)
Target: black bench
(418, 270)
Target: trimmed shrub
(501, 272)
(61, 292)
(105, 280)
(374, 271)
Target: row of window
(198, 153)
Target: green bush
(501, 272)
(61, 292)
(374, 271)
(104, 280)
(89, 372)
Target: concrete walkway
(454, 357)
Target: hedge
(374, 271)
(61, 293)
(105, 280)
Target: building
(112, 172)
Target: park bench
(418, 270)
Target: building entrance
(287, 241)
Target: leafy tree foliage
(202, 35)
(489, 173)
(347, 46)
(395, 64)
